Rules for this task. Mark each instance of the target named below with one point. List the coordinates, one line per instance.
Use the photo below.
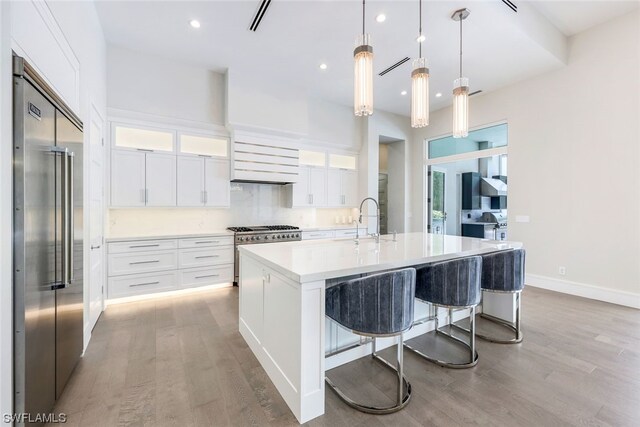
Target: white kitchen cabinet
(142, 179)
(342, 188)
(216, 182)
(190, 181)
(160, 177)
(350, 187)
(137, 267)
(311, 188)
(127, 178)
(203, 182)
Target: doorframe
(94, 115)
(478, 154)
(430, 170)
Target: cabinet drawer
(194, 277)
(138, 284)
(143, 262)
(203, 257)
(350, 233)
(322, 234)
(142, 246)
(202, 242)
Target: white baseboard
(628, 299)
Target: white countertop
(311, 260)
(169, 236)
(333, 227)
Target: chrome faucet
(376, 235)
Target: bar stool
(451, 284)
(503, 272)
(380, 305)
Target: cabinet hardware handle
(206, 196)
(207, 275)
(96, 247)
(146, 195)
(207, 241)
(207, 256)
(145, 150)
(144, 262)
(144, 246)
(142, 195)
(144, 284)
(312, 199)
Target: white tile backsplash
(251, 204)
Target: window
(478, 140)
(312, 158)
(342, 161)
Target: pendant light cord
(461, 44)
(420, 30)
(363, 6)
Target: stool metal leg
(471, 345)
(514, 327)
(402, 397)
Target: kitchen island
(282, 303)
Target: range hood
(492, 187)
(261, 159)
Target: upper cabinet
(205, 146)
(142, 179)
(311, 188)
(342, 180)
(325, 180)
(164, 168)
(143, 138)
(203, 182)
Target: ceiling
(295, 37)
(572, 17)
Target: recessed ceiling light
(404, 92)
(323, 66)
(421, 38)
(381, 18)
(194, 23)
(438, 95)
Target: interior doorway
(391, 184)
(466, 184)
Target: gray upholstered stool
(380, 305)
(451, 284)
(503, 272)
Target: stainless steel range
(500, 229)
(260, 234)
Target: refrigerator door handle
(70, 207)
(64, 173)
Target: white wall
(397, 127)
(573, 164)
(149, 84)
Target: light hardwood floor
(180, 361)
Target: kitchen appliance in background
(48, 246)
(260, 234)
(500, 219)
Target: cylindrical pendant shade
(420, 94)
(363, 77)
(461, 108)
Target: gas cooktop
(262, 228)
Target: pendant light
(420, 85)
(460, 89)
(363, 73)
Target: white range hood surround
(264, 158)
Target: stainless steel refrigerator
(48, 246)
